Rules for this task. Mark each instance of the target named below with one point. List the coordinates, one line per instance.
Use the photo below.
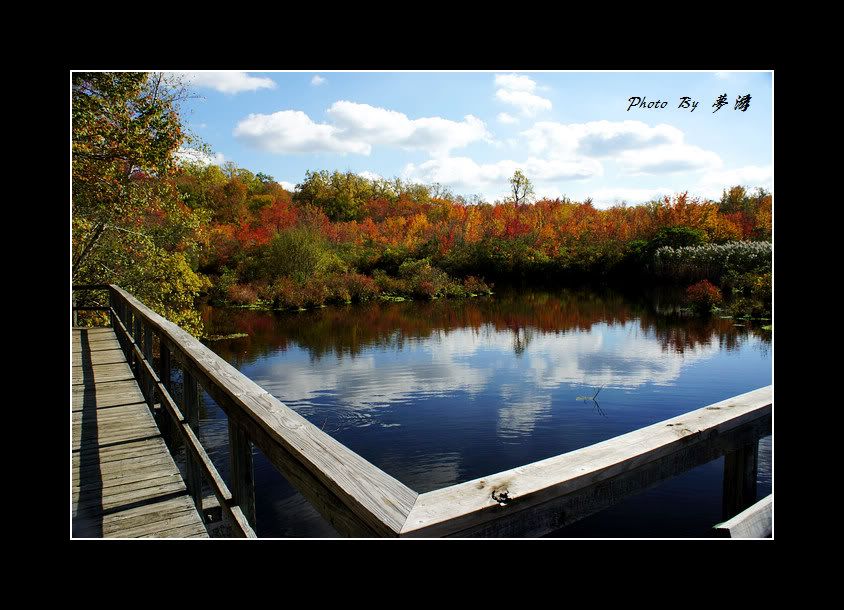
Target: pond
(437, 393)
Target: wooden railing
(135, 335)
(359, 499)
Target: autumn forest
(174, 232)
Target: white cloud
(515, 82)
(356, 128)
(617, 355)
(317, 80)
(528, 103)
(292, 131)
(607, 197)
(603, 138)
(517, 91)
(563, 152)
(600, 139)
(369, 175)
(380, 126)
(636, 146)
(367, 382)
(506, 118)
(712, 184)
(287, 186)
(229, 82)
(191, 155)
(465, 173)
(668, 159)
(627, 358)
(518, 416)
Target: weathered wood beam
(755, 521)
(378, 500)
(522, 500)
(740, 469)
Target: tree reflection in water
(350, 330)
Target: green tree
(123, 126)
(733, 200)
(340, 195)
(298, 253)
(521, 188)
(129, 224)
(199, 184)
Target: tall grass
(713, 261)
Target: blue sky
(571, 133)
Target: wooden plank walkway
(125, 482)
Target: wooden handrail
(632, 461)
(191, 441)
(370, 501)
(359, 499)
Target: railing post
(242, 472)
(127, 322)
(148, 356)
(740, 470)
(111, 308)
(136, 335)
(75, 313)
(121, 314)
(193, 478)
(165, 423)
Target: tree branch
(98, 231)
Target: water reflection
(352, 330)
(520, 414)
(354, 360)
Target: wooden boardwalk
(125, 482)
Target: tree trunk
(98, 230)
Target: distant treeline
(340, 237)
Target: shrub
(227, 279)
(426, 281)
(299, 253)
(703, 295)
(361, 288)
(454, 290)
(425, 289)
(413, 268)
(285, 293)
(677, 237)
(713, 260)
(313, 293)
(241, 294)
(391, 285)
(392, 258)
(751, 295)
(474, 285)
(338, 291)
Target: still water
(444, 392)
